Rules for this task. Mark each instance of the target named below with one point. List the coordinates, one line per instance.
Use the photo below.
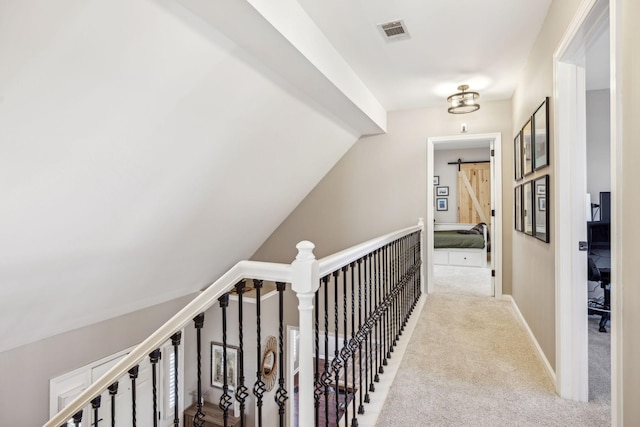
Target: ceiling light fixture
(463, 102)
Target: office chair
(598, 305)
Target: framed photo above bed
(541, 212)
(541, 136)
(442, 191)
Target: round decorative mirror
(269, 366)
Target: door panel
(474, 193)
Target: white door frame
(572, 370)
(496, 191)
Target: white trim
(572, 370)
(617, 184)
(496, 238)
(532, 337)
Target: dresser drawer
(472, 259)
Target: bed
(465, 248)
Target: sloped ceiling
(142, 154)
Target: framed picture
(517, 156)
(527, 208)
(436, 180)
(542, 204)
(442, 191)
(517, 207)
(217, 364)
(541, 136)
(527, 149)
(442, 205)
(542, 213)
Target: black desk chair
(600, 305)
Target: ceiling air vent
(394, 30)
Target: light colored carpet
(462, 280)
(470, 363)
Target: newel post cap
(306, 276)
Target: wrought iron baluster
(367, 322)
(77, 418)
(361, 334)
(154, 357)
(393, 286)
(381, 272)
(175, 341)
(383, 303)
(387, 284)
(95, 404)
(133, 375)
(241, 389)
(376, 313)
(225, 399)
(335, 363)
(113, 390)
(259, 387)
(317, 387)
(326, 375)
(345, 352)
(198, 417)
(352, 345)
(281, 394)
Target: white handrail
(303, 274)
(338, 260)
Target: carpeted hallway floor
(470, 363)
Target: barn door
(474, 193)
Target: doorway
(571, 65)
(493, 142)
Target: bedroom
(462, 216)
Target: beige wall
(380, 185)
(627, 200)
(533, 260)
(26, 370)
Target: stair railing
(388, 269)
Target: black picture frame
(517, 156)
(436, 180)
(442, 204)
(527, 149)
(442, 191)
(517, 208)
(540, 136)
(217, 377)
(541, 215)
(528, 211)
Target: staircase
(353, 307)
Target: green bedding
(453, 239)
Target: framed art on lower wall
(541, 208)
(527, 208)
(217, 365)
(442, 204)
(517, 206)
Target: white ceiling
(482, 43)
(147, 146)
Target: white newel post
(306, 281)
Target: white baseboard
(534, 341)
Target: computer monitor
(605, 206)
